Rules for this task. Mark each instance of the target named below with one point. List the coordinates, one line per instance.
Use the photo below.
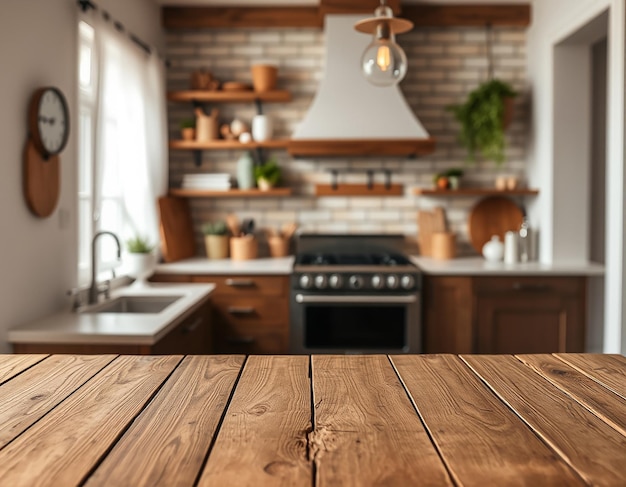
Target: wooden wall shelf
(360, 147)
(359, 190)
(232, 193)
(221, 144)
(277, 96)
(451, 193)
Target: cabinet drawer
(245, 310)
(252, 338)
(246, 285)
(190, 337)
(527, 285)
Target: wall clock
(48, 132)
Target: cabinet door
(448, 315)
(531, 317)
(191, 337)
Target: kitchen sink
(134, 304)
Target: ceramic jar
(493, 251)
(261, 128)
(245, 171)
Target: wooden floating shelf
(359, 190)
(232, 193)
(360, 147)
(221, 144)
(277, 96)
(474, 192)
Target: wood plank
(31, 395)
(608, 370)
(359, 190)
(599, 400)
(221, 144)
(175, 431)
(451, 193)
(355, 6)
(12, 365)
(468, 15)
(232, 193)
(62, 448)
(239, 17)
(262, 440)
(276, 96)
(459, 410)
(589, 445)
(360, 147)
(176, 228)
(366, 429)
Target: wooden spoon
(233, 224)
(288, 230)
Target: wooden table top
(402, 420)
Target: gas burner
(317, 259)
(390, 260)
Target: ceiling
(293, 3)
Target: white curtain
(130, 135)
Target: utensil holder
(264, 77)
(443, 245)
(243, 248)
(216, 246)
(279, 246)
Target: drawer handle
(241, 310)
(518, 286)
(191, 326)
(240, 282)
(241, 340)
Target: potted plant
(267, 175)
(140, 259)
(483, 117)
(216, 239)
(188, 129)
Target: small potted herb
(216, 239)
(267, 175)
(188, 129)
(483, 119)
(140, 259)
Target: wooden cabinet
(191, 336)
(493, 315)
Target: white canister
(493, 250)
(510, 248)
(262, 128)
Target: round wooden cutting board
(41, 181)
(494, 215)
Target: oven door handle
(300, 298)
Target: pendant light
(383, 62)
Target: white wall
(38, 47)
(554, 21)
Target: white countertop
(117, 328)
(477, 266)
(199, 266)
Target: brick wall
(444, 65)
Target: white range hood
(349, 116)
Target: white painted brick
(384, 215)
(332, 203)
(332, 227)
(281, 50)
(264, 37)
(230, 37)
(366, 202)
(348, 215)
(247, 50)
(301, 37)
(314, 216)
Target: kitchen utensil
(438, 220)
(424, 222)
(493, 249)
(247, 226)
(279, 246)
(206, 125)
(233, 225)
(264, 77)
(288, 230)
(494, 215)
(177, 235)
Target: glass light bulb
(384, 63)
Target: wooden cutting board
(494, 215)
(177, 236)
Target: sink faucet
(93, 288)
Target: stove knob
(392, 281)
(407, 281)
(377, 281)
(320, 281)
(305, 281)
(334, 281)
(355, 282)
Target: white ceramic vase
(140, 267)
(493, 251)
(261, 128)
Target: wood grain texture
(232, 193)
(12, 365)
(366, 430)
(494, 215)
(360, 147)
(64, 448)
(31, 395)
(450, 193)
(359, 190)
(355, 6)
(177, 234)
(262, 440)
(598, 399)
(608, 370)
(589, 445)
(276, 96)
(176, 429)
(239, 17)
(221, 144)
(42, 181)
(459, 410)
(468, 15)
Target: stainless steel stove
(354, 294)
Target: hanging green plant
(482, 120)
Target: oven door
(355, 324)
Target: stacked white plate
(214, 182)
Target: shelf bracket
(335, 177)
(259, 106)
(370, 179)
(387, 178)
(197, 157)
